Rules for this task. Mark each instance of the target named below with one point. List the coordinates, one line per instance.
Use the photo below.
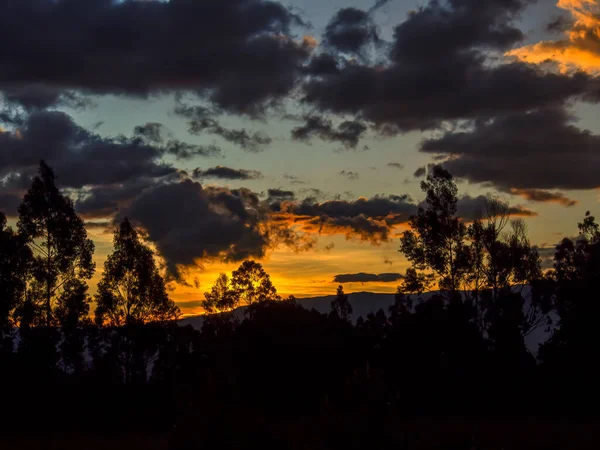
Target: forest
(281, 376)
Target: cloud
(293, 179)
(80, 157)
(367, 278)
(540, 149)
(103, 225)
(227, 173)
(580, 47)
(104, 201)
(347, 133)
(420, 172)
(156, 134)
(438, 70)
(547, 255)
(185, 151)
(349, 174)
(471, 208)
(151, 132)
(139, 48)
(371, 220)
(201, 120)
(395, 165)
(32, 97)
(539, 195)
(9, 203)
(351, 31)
(280, 194)
(188, 223)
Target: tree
(251, 285)
(57, 236)
(72, 313)
(436, 240)
(221, 296)
(576, 282)
(500, 261)
(131, 294)
(341, 306)
(131, 290)
(15, 265)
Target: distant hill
(364, 303)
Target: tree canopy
(57, 236)
(131, 289)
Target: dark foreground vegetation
(451, 372)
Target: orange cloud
(309, 41)
(579, 49)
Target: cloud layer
(367, 278)
(139, 48)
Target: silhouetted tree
(57, 236)
(72, 313)
(131, 290)
(15, 265)
(436, 241)
(576, 283)
(131, 294)
(340, 306)
(251, 284)
(221, 296)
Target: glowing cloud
(579, 50)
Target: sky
(297, 134)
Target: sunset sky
(297, 133)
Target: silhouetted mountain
(365, 303)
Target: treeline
(460, 353)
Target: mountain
(364, 303)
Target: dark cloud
(370, 220)
(152, 132)
(188, 223)
(540, 149)
(471, 208)
(438, 71)
(350, 31)
(396, 165)
(280, 194)
(367, 278)
(227, 173)
(560, 24)
(347, 133)
(201, 120)
(142, 47)
(9, 203)
(538, 195)
(155, 133)
(78, 156)
(104, 201)
(183, 150)
(293, 179)
(322, 64)
(33, 97)
(420, 172)
(378, 4)
(350, 174)
(456, 27)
